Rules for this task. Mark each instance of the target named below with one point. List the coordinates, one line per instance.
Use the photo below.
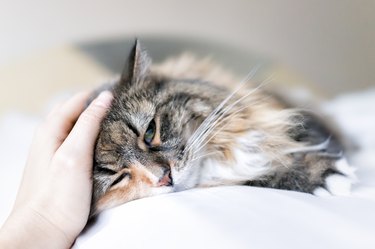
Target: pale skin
(53, 201)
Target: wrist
(26, 228)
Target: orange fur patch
(137, 186)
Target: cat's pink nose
(166, 180)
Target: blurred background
(48, 45)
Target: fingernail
(104, 99)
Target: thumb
(82, 138)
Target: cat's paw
(338, 184)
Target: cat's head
(145, 143)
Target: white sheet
(236, 217)
(229, 217)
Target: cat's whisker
(204, 141)
(231, 116)
(204, 155)
(213, 116)
(240, 85)
(220, 129)
(215, 112)
(212, 125)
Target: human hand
(53, 201)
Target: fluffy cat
(188, 123)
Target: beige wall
(330, 42)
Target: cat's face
(142, 146)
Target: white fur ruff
(249, 163)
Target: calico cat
(188, 123)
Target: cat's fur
(209, 130)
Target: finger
(79, 144)
(59, 123)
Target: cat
(188, 123)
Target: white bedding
(228, 217)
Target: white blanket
(229, 217)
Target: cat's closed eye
(120, 178)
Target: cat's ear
(137, 66)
